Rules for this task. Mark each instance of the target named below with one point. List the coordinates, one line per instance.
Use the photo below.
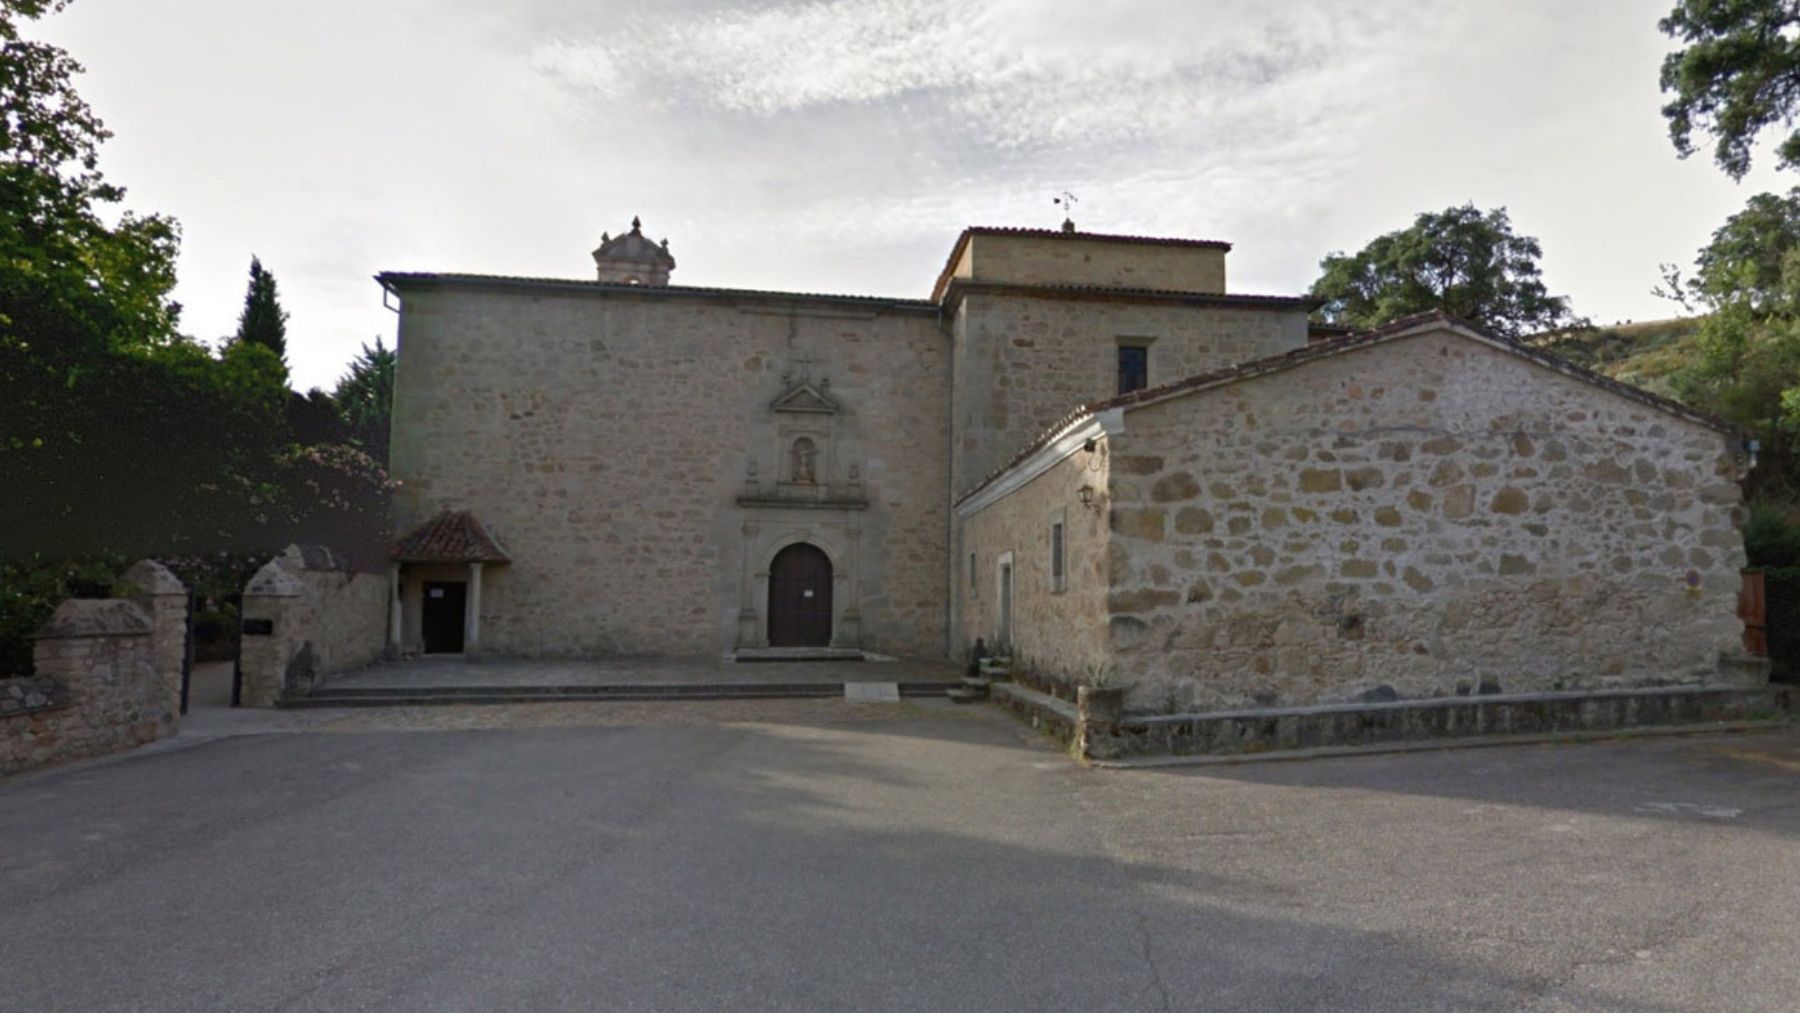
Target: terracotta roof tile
(454, 536)
(396, 280)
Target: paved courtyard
(816, 855)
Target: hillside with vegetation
(1651, 354)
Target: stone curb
(1437, 745)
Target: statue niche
(810, 470)
(803, 460)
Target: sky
(841, 145)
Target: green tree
(1462, 261)
(1748, 259)
(263, 321)
(1747, 280)
(365, 398)
(118, 437)
(1737, 73)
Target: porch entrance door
(441, 620)
(800, 598)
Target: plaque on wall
(259, 627)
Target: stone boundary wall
(321, 617)
(108, 676)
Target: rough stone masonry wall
(1422, 518)
(1026, 362)
(1056, 634)
(345, 612)
(603, 438)
(323, 619)
(97, 688)
(1065, 260)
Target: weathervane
(1066, 201)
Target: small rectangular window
(1134, 368)
(971, 569)
(1058, 576)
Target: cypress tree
(263, 321)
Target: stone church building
(1083, 446)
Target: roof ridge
(386, 278)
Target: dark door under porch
(800, 598)
(441, 618)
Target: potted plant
(1098, 699)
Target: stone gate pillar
(271, 613)
(164, 600)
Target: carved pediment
(806, 398)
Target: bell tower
(632, 259)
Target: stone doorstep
(803, 654)
(1350, 729)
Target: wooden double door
(800, 598)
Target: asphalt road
(811, 858)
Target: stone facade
(1426, 516)
(101, 685)
(1026, 359)
(1032, 257)
(1058, 626)
(607, 436)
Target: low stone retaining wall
(1382, 724)
(108, 676)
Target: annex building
(1083, 446)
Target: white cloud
(839, 145)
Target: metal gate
(187, 651)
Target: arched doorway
(800, 597)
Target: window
(1059, 578)
(1134, 368)
(971, 569)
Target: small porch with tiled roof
(437, 564)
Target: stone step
(397, 696)
(966, 695)
(977, 682)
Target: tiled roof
(453, 536)
(1338, 346)
(395, 280)
(1108, 237)
(1125, 294)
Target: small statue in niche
(805, 456)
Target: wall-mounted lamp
(1086, 492)
(1750, 449)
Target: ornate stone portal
(816, 498)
